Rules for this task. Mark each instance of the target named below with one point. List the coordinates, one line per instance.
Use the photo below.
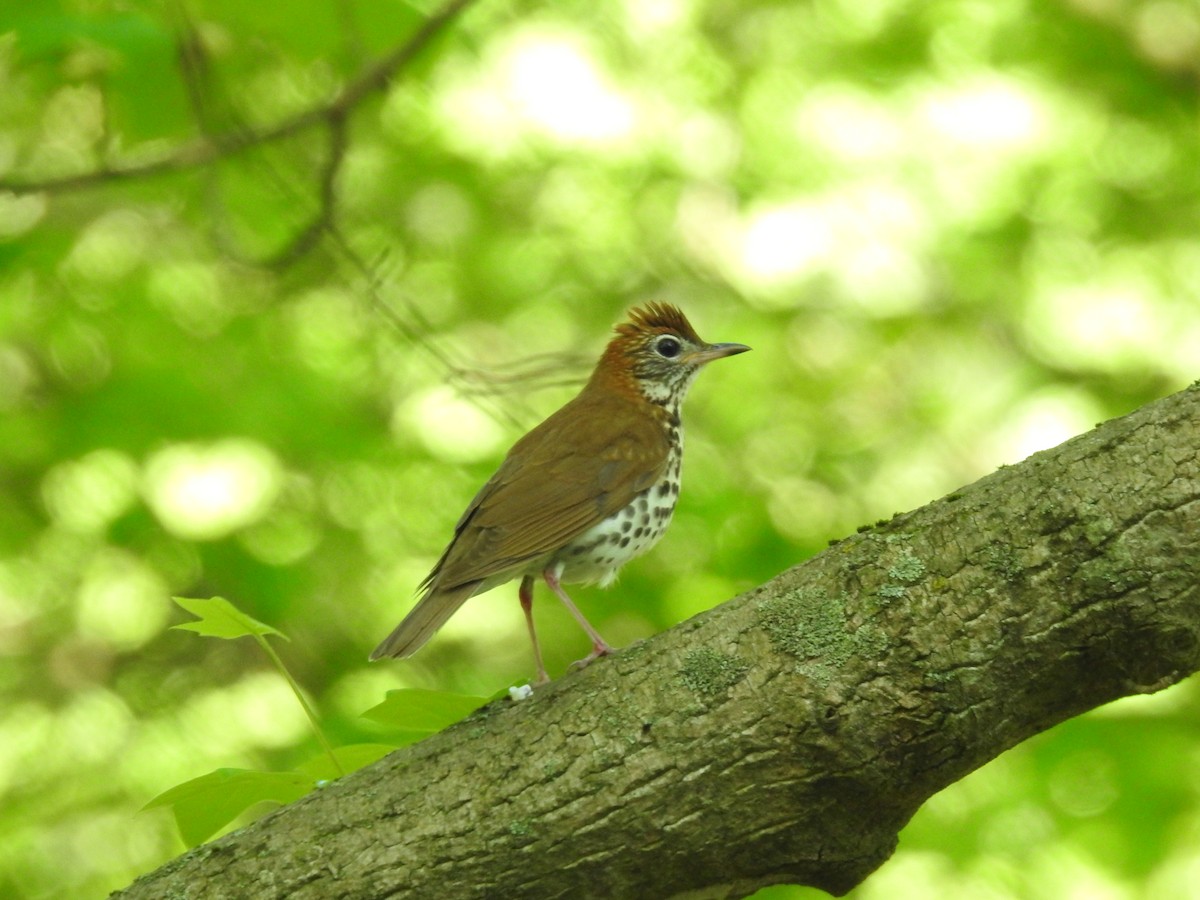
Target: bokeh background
(954, 232)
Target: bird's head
(658, 353)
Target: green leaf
(221, 619)
(351, 757)
(422, 712)
(206, 804)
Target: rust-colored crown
(658, 318)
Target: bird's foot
(598, 649)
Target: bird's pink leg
(526, 594)
(599, 646)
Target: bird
(586, 491)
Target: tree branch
(322, 219)
(787, 735)
(210, 148)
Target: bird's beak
(709, 352)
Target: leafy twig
(219, 618)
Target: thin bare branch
(205, 150)
(322, 220)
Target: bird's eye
(667, 346)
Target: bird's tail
(430, 614)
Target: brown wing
(581, 465)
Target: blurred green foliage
(954, 232)
(203, 806)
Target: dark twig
(322, 220)
(413, 325)
(192, 59)
(205, 150)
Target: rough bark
(787, 735)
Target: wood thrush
(581, 494)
